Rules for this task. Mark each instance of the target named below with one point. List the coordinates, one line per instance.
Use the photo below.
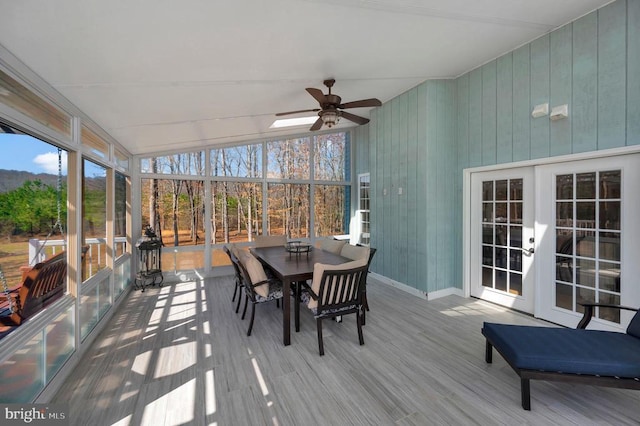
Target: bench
(41, 286)
(593, 357)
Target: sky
(26, 153)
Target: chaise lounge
(600, 358)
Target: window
(288, 159)
(363, 213)
(22, 99)
(94, 219)
(175, 210)
(237, 211)
(238, 161)
(120, 215)
(288, 210)
(330, 210)
(330, 157)
(96, 145)
(190, 164)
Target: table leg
(296, 305)
(286, 314)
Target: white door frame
(466, 194)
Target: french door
(502, 237)
(588, 212)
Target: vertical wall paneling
(377, 169)
(612, 93)
(475, 118)
(489, 113)
(522, 105)
(462, 124)
(583, 110)
(504, 109)
(394, 225)
(540, 95)
(446, 153)
(387, 220)
(633, 72)
(413, 191)
(431, 187)
(561, 61)
(401, 186)
(421, 195)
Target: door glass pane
(564, 187)
(515, 189)
(610, 184)
(487, 191)
(515, 283)
(588, 268)
(564, 214)
(586, 186)
(610, 215)
(501, 190)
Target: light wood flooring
(180, 355)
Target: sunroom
(497, 181)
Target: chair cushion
(355, 252)
(634, 326)
(318, 270)
(334, 246)
(256, 272)
(566, 350)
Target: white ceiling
(160, 75)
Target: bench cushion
(634, 326)
(566, 350)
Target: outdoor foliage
(31, 208)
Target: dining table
(291, 268)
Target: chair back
(235, 263)
(340, 289)
(270, 240)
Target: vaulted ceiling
(160, 75)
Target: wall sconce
(559, 112)
(540, 110)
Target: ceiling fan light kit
(330, 110)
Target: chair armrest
(307, 287)
(588, 312)
(267, 281)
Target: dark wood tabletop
(291, 268)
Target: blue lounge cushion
(634, 326)
(564, 350)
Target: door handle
(528, 252)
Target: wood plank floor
(180, 355)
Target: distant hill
(12, 179)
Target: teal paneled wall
(423, 139)
(412, 158)
(591, 64)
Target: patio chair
(270, 240)
(336, 290)
(237, 291)
(257, 286)
(599, 358)
(365, 300)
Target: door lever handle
(529, 251)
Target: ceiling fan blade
(317, 125)
(373, 102)
(317, 94)
(296, 112)
(355, 118)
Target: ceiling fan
(330, 110)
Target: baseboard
(416, 292)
